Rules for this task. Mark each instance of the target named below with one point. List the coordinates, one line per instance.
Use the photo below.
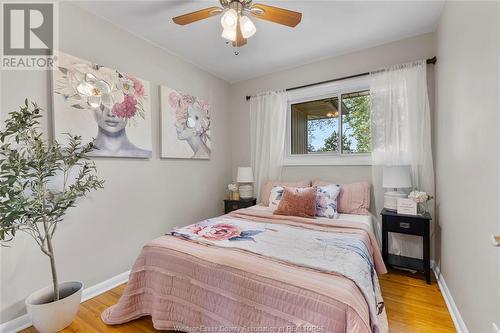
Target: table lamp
(395, 178)
(245, 179)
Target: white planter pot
(50, 317)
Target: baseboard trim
(450, 303)
(104, 286)
(16, 324)
(22, 322)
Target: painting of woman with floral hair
(104, 105)
(185, 125)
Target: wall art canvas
(185, 125)
(102, 104)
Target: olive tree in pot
(31, 203)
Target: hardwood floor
(412, 307)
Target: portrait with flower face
(185, 125)
(103, 105)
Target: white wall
(468, 158)
(142, 199)
(402, 51)
(354, 63)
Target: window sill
(322, 160)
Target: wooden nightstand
(417, 225)
(230, 205)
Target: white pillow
(275, 196)
(326, 200)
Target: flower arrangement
(419, 196)
(94, 86)
(233, 190)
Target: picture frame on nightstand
(406, 207)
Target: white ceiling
(328, 28)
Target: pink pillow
(268, 186)
(298, 201)
(354, 198)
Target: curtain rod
(429, 61)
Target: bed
(254, 271)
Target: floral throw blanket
(330, 252)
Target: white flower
(75, 74)
(126, 85)
(419, 197)
(197, 118)
(232, 187)
(98, 92)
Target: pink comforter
(188, 286)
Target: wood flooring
(412, 307)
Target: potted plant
(30, 202)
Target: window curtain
(267, 136)
(401, 135)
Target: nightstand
(230, 205)
(417, 225)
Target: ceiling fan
(236, 18)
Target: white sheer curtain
(401, 134)
(267, 135)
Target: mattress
(191, 286)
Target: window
(330, 123)
(315, 126)
(356, 135)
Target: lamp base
(246, 191)
(391, 199)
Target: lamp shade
(229, 34)
(229, 19)
(247, 27)
(396, 177)
(245, 175)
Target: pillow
(326, 200)
(268, 185)
(297, 201)
(275, 196)
(354, 198)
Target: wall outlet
(495, 328)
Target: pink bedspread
(188, 286)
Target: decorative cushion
(275, 196)
(268, 185)
(297, 201)
(354, 198)
(326, 200)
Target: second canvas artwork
(185, 125)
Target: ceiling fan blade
(196, 16)
(240, 41)
(276, 15)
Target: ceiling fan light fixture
(229, 34)
(229, 19)
(236, 18)
(248, 29)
